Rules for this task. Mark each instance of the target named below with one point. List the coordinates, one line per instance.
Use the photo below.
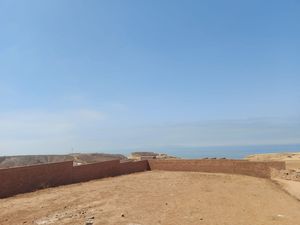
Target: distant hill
(77, 158)
(292, 159)
(149, 155)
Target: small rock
(122, 215)
(89, 222)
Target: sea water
(233, 152)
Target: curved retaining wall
(256, 169)
(30, 178)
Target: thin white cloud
(89, 130)
(210, 133)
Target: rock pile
(289, 174)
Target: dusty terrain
(157, 197)
(292, 160)
(292, 187)
(288, 179)
(77, 158)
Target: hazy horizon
(233, 152)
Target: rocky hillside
(78, 158)
(149, 155)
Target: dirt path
(150, 198)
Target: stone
(89, 222)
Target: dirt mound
(289, 175)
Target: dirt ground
(157, 197)
(292, 187)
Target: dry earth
(292, 187)
(288, 179)
(157, 197)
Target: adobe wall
(95, 171)
(133, 167)
(256, 169)
(279, 165)
(29, 178)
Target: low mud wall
(133, 167)
(30, 178)
(256, 169)
(95, 171)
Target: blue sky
(115, 75)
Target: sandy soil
(292, 187)
(150, 198)
(292, 159)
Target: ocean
(234, 152)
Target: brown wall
(25, 179)
(257, 169)
(95, 171)
(30, 178)
(133, 167)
